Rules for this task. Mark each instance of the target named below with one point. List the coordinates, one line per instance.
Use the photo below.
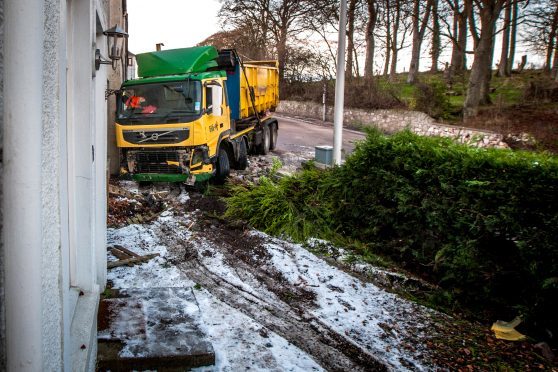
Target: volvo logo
(139, 136)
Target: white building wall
(100, 162)
(51, 289)
(2, 304)
(22, 205)
(54, 210)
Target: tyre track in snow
(258, 294)
(331, 350)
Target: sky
(185, 23)
(175, 23)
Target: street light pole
(340, 86)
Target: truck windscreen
(159, 103)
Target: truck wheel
(274, 132)
(263, 148)
(242, 162)
(222, 168)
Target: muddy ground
(340, 315)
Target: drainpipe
(340, 86)
(23, 81)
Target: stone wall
(392, 121)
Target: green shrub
(432, 100)
(483, 224)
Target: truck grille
(149, 137)
(156, 162)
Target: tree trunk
(472, 22)
(513, 37)
(350, 40)
(419, 27)
(394, 46)
(458, 55)
(370, 42)
(503, 64)
(551, 41)
(282, 52)
(479, 81)
(388, 38)
(554, 71)
(435, 50)
(356, 65)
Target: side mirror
(216, 100)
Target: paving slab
(151, 328)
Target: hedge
(483, 224)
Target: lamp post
(115, 37)
(339, 86)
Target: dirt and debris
(127, 257)
(267, 303)
(526, 127)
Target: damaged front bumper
(168, 165)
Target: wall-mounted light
(115, 37)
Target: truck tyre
(222, 168)
(242, 162)
(274, 132)
(263, 147)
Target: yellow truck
(194, 113)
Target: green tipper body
(176, 61)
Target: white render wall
(54, 182)
(22, 204)
(2, 303)
(51, 288)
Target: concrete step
(151, 328)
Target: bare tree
(478, 87)
(323, 23)
(552, 42)
(243, 39)
(436, 37)
(503, 64)
(419, 28)
(249, 18)
(387, 22)
(280, 18)
(350, 39)
(513, 36)
(457, 34)
(393, 42)
(400, 26)
(541, 19)
(370, 41)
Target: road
(299, 136)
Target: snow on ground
(377, 322)
(239, 342)
(367, 315)
(155, 273)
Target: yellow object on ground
(169, 162)
(506, 330)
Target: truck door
(217, 115)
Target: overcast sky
(185, 23)
(176, 23)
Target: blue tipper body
(233, 92)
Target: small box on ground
(324, 154)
